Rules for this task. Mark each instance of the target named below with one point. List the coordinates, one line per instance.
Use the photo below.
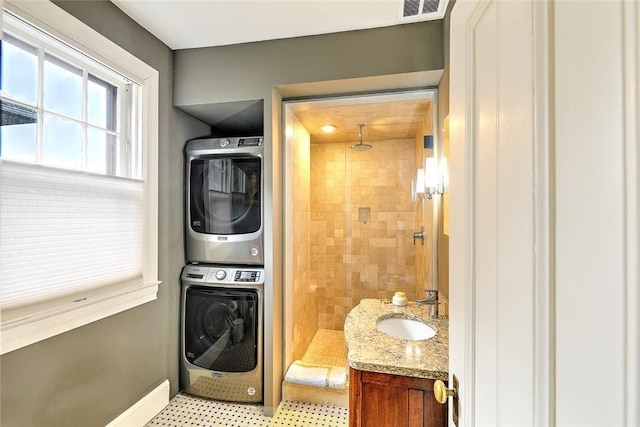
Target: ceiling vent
(421, 10)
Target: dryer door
(224, 194)
(221, 328)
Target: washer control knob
(221, 274)
(224, 142)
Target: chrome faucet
(431, 300)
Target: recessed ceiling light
(328, 128)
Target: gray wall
(367, 60)
(88, 376)
(251, 70)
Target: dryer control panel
(222, 274)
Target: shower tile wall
(304, 299)
(362, 220)
(328, 226)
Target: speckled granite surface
(375, 351)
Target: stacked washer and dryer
(223, 280)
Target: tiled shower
(361, 222)
(351, 220)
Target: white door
(544, 212)
(492, 211)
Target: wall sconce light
(420, 182)
(417, 186)
(430, 180)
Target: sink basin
(406, 329)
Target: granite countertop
(375, 351)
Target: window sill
(20, 329)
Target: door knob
(441, 392)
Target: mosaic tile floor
(190, 411)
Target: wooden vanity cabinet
(381, 400)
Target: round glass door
(225, 195)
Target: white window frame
(45, 46)
(27, 325)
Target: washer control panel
(247, 276)
(222, 274)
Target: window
(62, 109)
(78, 176)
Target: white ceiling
(183, 24)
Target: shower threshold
(327, 349)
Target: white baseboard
(144, 409)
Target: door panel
(590, 160)
(492, 157)
(485, 210)
(390, 403)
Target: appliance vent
(412, 8)
(430, 6)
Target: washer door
(221, 328)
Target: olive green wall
(250, 70)
(90, 375)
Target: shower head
(360, 146)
